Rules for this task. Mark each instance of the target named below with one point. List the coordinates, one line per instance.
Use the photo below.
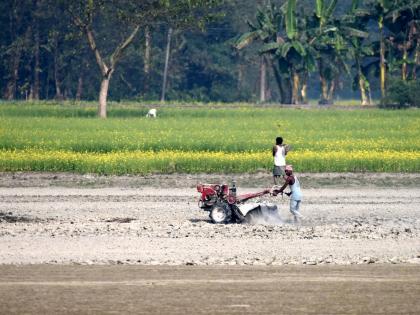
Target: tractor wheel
(220, 214)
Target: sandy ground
(154, 220)
(327, 289)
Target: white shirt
(280, 156)
(295, 189)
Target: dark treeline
(206, 50)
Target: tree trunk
(404, 70)
(58, 93)
(363, 96)
(304, 88)
(14, 22)
(165, 71)
(324, 90)
(103, 95)
(147, 59)
(362, 84)
(279, 82)
(263, 79)
(11, 87)
(331, 90)
(287, 87)
(37, 66)
(114, 58)
(239, 83)
(67, 93)
(79, 87)
(37, 70)
(268, 94)
(48, 80)
(382, 64)
(283, 96)
(324, 84)
(295, 87)
(416, 60)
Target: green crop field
(53, 137)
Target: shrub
(402, 94)
(414, 90)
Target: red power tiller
(225, 206)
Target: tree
(330, 47)
(44, 56)
(83, 14)
(20, 33)
(264, 31)
(381, 9)
(147, 58)
(293, 52)
(134, 14)
(165, 71)
(403, 20)
(272, 24)
(359, 47)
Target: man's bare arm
(288, 181)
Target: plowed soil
(155, 220)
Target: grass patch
(52, 137)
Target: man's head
(279, 140)
(288, 170)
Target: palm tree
(398, 22)
(293, 52)
(285, 46)
(357, 19)
(330, 46)
(263, 31)
(295, 43)
(403, 20)
(334, 39)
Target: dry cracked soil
(154, 220)
(89, 244)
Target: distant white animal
(152, 113)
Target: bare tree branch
(92, 43)
(120, 49)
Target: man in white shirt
(279, 154)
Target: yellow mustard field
(69, 138)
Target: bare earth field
(72, 244)
(155, 220)
(327, 289)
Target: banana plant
(358, 52)
(324, 11)
(263, 31)
(329, 45)
(331, 37)
(403, 20)
(400, 19)
(359, 48)
(291, 20)
(382, 8)
(293, 53)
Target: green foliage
(69, 138)
(324, 11)
(40, 40)
(291, 23)
(402, 94)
